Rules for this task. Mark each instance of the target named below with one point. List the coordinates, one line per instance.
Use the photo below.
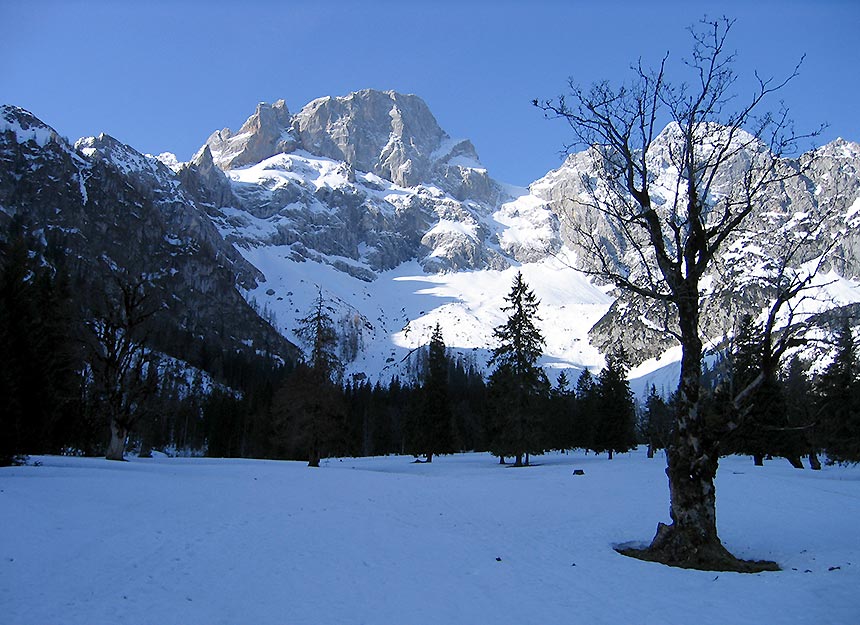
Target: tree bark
(758, 460)
(518, 462)
(795, 461)
(814, 462)
(650, 450)
(610, 454)
(501, 460)
(691, 540)
(118, 436)
(430, 457)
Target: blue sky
(161, 76)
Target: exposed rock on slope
(352, 187)
(117, 212)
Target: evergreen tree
(838, 401)
(585, 410)
(559, 425)
(656, 422)
(40, 364)
(432, 428)
(615, 423)
(763, 419)
(801, 436)
(517, 383)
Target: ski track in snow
(383, 540)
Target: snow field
(383, 540)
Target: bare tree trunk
(118, 436)
(430, 457)
(795, 461)
(814, 462)
(610, 454)
(758, 460)
(519, 460)
(650, 450)
(691, 540)
(527, 459)
(501, 460)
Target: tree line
(78, 383)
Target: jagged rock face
(391, 135)
(160, 186)
(365, 183)
(264, 134)
(736, 285)
(115, 211)
(834, 177)
(359, 223)
(205, 182)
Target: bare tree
(317, 395)
(120, 364)
(663, 232)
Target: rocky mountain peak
(25, 126)
(383, 132)
(264, 134)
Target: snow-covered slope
(419, 245)
(367, 199)
(384, 540)
(389, 317)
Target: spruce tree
(39, 342)
(317, 330)
(800, 437)
(657, 422)
(559, 427)
(431, 433)
(615, 423)
(518, 382)
(839, 404)
(585, 410)
(763, 418)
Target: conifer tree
(40, 363)
(801, 436)
(586, 406)
(657, 422)
(317, 330)
(432, 429)
(615, 424)
(517, 381)
(839, 404)
(764, 421)
(559, 427)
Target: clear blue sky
(162, 75)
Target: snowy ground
(382, 540)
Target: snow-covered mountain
(400, 226)
(110, 212)
(808, 220)
(366, 199)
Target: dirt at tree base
(671, 549)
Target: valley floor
(383, 540)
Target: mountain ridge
(365, 197)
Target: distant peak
(26, 126)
